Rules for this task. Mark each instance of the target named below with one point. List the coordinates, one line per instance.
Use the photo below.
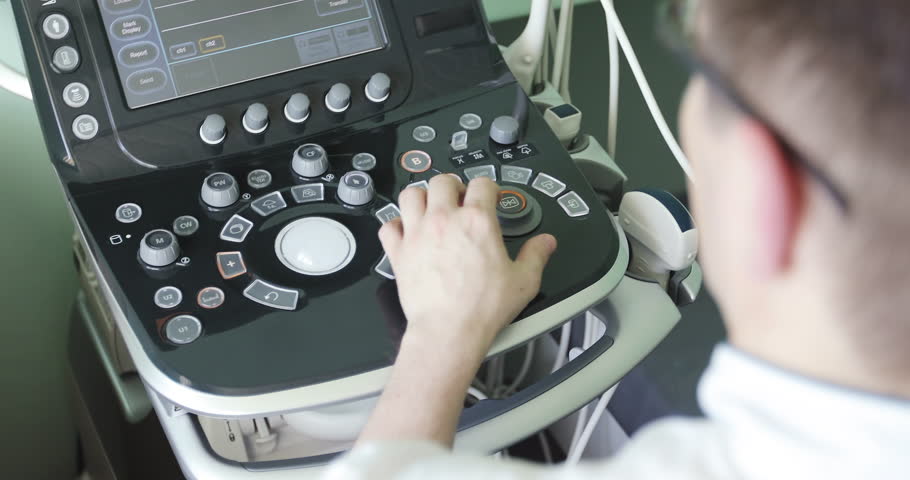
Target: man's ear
(776, 199)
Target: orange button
(511, 201)
(416, 161)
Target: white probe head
(661, 232)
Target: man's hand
(456, 282)
(458, 288)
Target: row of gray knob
(221, 190)
(297, 109)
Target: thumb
(535, 254)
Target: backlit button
(424, 134)
(548, 185)
(168, 297)
(269, 204)
(460, 141)
(183, 330)
(259, 179)
(236, 229)
(314, 192)
(272, 296)
(66, 59)
(470, 121)
(511, 202)
(364, 162)
(56, 26)
(518, 212)
(388, 213)
(210, 298)
(421, 184)
(385, 268)
(231, 265)
(75, 95)
(416, 161)
(128, 213)
(186, 226)
(488, 171)
(519, 175)
(573, 205)
(85, 127)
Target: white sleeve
(678, 449)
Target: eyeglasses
(676, 33)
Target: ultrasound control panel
(231, 162)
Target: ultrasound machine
(228, 164)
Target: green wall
(39, 283)
(498, 10)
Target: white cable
(565, 339)
(567, 61)
(613, 114)
(523, 372)
(476, 393)
(578, 449)
(545, 447)
(645, 88)
(565, 13)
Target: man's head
(800, 279)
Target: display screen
(165, 49)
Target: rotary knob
(213, 129)
(220, 190)
(378, 88)
(310, 161)
(505, 130)
(159, 248)
(256, 118)
(339, 98)
(297, 110)
(356, 188)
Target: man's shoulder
(679, 448)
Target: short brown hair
(834, 77)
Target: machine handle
(639, 315)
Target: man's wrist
(469, 348)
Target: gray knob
(379, 87)
(310, 161)
(213, 129)
(159, 248)
(256, 118)
(297, 110)
(339, 98)
(356, 188)
(220, 190)
(505, 130)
